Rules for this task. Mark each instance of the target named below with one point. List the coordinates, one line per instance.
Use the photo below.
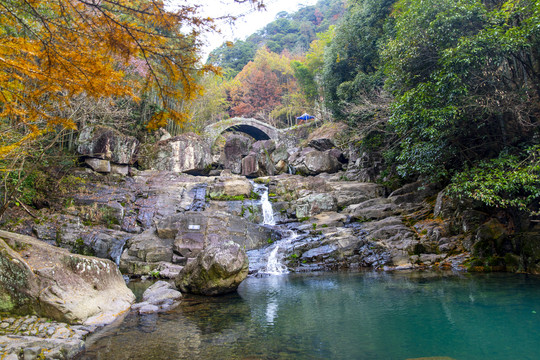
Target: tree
(232, 57)
(52, 52)
(258, 90)
(266, 87)
(289, 32)
(352, 67)
(465, 75)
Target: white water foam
(274, 264)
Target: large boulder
(229, 188)
(37, 278)
(315, 204)
(349, 192)
(318, 162)
(106, 143)
(236, 147)
(183, 153)
(219, 269)
(259, 162)
(309, 161)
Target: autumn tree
(52, 52)
(266, 87)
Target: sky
(252, 21)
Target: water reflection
(271, 312)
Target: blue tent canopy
(305, 116)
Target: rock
(187, 153)
(106, 244)
(165, 135)
(194, 231)
(327, 219)
(219, 269)
(290, 188)
(258, 165)
(229, 188)
(80, 239)
(315, 204)
(471, 220)
(264, 146)
(398, 240)
(490, 239)
(328, 132)
(317, 162)
(49, 281)
(144, 252)
(259, 162)
(236, 147)
(338, 155)
(364, 167)
(322, 144)
(374, 209)
(119, 169)
(348, 192)
(160, 292)
(148, 309)
(168, 270)
(429, 259)
(99, 165)
(414, 193)
(108, 144)
(160, 296)
(250, 166)
(280, 153)
(281, 167)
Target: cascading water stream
(274, 265)
(267, 211)
(274, 254)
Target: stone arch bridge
(254, 128)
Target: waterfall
(270, 259)
(274, 264)
(267, 211)
(117, 251)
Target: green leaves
(510, 180)
(462, 75)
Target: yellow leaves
(7, 150)
(161, 119)
(53, 51)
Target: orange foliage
(263, 85)
(52, 51)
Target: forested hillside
(445, 90)
(290, 32)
